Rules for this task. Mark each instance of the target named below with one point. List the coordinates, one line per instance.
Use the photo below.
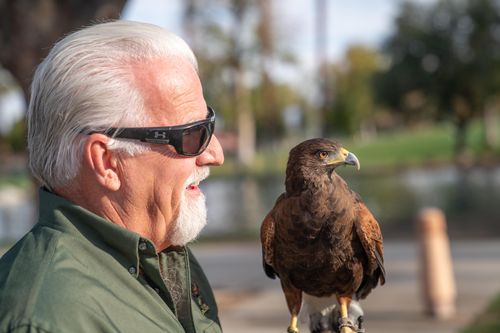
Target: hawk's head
(314, 159)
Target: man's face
(161, 185)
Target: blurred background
(411, 87)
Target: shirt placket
(167, 274)
(150, 273)
(174, 263)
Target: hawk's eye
(323, 154)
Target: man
(119, 136)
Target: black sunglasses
(188, 140)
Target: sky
(12, 108)
(350, 22)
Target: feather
(320, 239)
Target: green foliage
(353, 104)
(16, 138)
(17, 179)
(401, 85)
(448, 54)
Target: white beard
(192, 214)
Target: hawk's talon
(292, 330)
(347, 329)
(347, 326)
(361, 329)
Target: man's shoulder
(48, 283)
(28, 260)
(40, 275)
(44, 300)
(38, 254)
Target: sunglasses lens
(196, 139)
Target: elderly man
(119, 136)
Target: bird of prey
(320, 239)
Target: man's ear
(102, 162)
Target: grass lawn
(488, 321)
(419, 147)
(409, 148)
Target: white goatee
(192, 213)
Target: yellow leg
(344, 304)
(293, 298)
(343, 310)
(293, 325)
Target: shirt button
(132, 270)
(143, 246)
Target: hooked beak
(344, 157)
(351, 159)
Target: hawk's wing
(267, 230)
(370, 236)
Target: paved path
(250, 302)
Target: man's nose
(213, 155)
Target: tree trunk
(461, 138)
(317, 124)
(246, 121)
(490, 126)
(269, 113)
(29, 28)
(245, 116)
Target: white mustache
(198, 176)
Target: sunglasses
(189, 140)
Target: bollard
(438, 282)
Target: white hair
(86, 84)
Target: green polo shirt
(77, 272)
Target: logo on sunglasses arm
(160, 135)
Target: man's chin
(191, 220)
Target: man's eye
(323, 154)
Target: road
(250, 302)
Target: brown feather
(320, 237)
(266, 237)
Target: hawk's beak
(351, 159)
(344, 157)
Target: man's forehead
(171, 91)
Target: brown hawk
(320, 238)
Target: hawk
(320, 239)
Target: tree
(269, 126)
(448, 54)
(221, 56)
(354, 105)
(484, 41)
(29, 28)
(237, 50)
(401, 85)
(318, 117)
